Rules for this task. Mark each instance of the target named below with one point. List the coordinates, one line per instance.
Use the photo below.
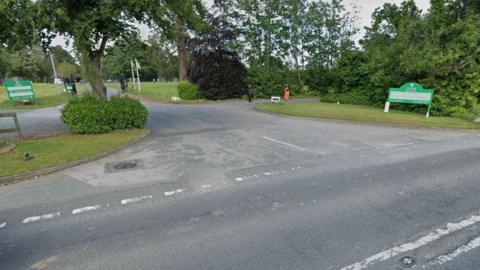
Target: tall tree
(175, 19)
(91, 25)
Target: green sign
(19, 90)
(412, 93)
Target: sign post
(412, 93)
(19, 91)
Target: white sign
(275, 99)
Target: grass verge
(365, 114)
(160, 91)
(46, 93)
(59, 150)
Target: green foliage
(439, 50)
(88, 115)
(266, 80)
(3, 142)
(188, 91)
(157, 59)
(18, 23)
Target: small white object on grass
(175, 99)
(275, 99)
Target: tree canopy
(310, 45)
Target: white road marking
(42, 217)
(3, 225)
(422, 241)
(239, 179)
(457, 252)
(206, 186)
(136, 199)
(286, 144)
(85, 209)
(173, 192)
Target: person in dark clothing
(250, 93)
(74, 86)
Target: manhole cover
(407, 261)
(125, 166)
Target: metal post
(138, 76)
(54, 73)
(133, 76)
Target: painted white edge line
(286, 144)
(457, 252)
(42, 217)
(173, 192)
(2, 225)
(395, 251)
(135, 199)
(85, 209)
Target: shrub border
(12, 179)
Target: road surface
(221, 186)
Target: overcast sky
(368, 6)
(366, 9)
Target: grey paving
(225, 187)
(37, 122)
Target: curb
(11, 179)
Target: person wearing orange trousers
(286, 93)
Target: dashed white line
(457, 252)
(2, 225)
(42, 217)
(136, 199)
(85, 209)
(239, 179)
(395, 251)
(206, 186)
(170, 193)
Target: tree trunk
(92, 65)
(181, 50)
(299, 75)
(94, 75)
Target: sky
(366, 8)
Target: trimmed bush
(188, 91)
(88, 115)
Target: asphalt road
(221, 186)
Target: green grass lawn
(59, 150)
(161, 91)
(365, 114)
(47, 96)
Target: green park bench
(411, 93)
(19, 91)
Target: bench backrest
(19, 90)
